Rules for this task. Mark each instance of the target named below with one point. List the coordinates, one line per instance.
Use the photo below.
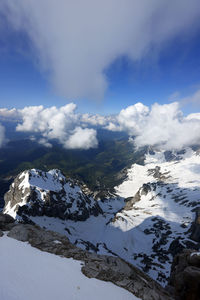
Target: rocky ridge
(35, 192)
(195, 235)
(185, 275)
(102, 267)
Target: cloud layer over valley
(61, 123)
(161, 126)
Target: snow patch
(32, 274)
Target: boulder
(6, 222)
(196, 227)
(185, 275)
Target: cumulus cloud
(162, 126)
(75, 41)
(61, 123)
(9, 114)
(82, 139)
(96, 120)
(130, 119)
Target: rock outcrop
(185, 275)
(196, 227)
(37, 193)
(102, 267)
(6, 222)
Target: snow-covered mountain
(34, 192)
(149, 222)
(161, 202)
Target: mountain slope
(149, 222)
(33, 274)
(34, 192)
(103, 267)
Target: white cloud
(96, 120)
(75, 41)
(174, 96)
(131, 119)
(161, 126)
(44, 142)
(9, 114)
(61, 123)
(82, 139)
(194, 116)
(164, 126)
(192, 99)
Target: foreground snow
(27, 273)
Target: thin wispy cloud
(75, 41)
(174, 96)
(191, 99)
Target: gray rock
(185, 275)
(121, 273)
(4, 218)
(130, 201)
(191, 275)
(63, 198)
(194, 260)
(196, 227)
(20, 232)
(1, 233)
(107, 268)
(6, 222)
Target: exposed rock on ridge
(185, 275)
(196, 227)
(102, 267)
(34, 192)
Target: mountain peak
(35, 192)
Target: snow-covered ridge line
(162, 198)
(36, 192)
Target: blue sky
(172, 68)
